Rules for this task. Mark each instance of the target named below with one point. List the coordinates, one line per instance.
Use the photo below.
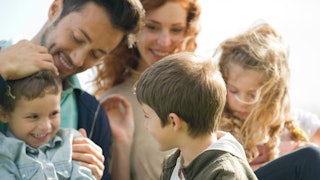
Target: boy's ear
(3, 116)
(175, 121)
(55, 9)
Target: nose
(78, 57)
(164, 38)
(45, 125)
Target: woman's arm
(119, 112)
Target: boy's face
(35, 121)
(163, 135)
(81, 39)
(243, 90)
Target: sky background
(297, 20)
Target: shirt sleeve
(8, 169)
(309, 122)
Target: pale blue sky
(297, 20)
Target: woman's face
(163, 31)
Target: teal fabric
(69, 110)
(4, 44)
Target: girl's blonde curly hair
(261, 49)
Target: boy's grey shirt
(50, 161)
(223, 160)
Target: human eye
(233, 91)
(76, 39)
(32, 117)
(96, 55)
(252, 96)
(177, 30)
(151, 27)
(55, 113)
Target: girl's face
(243, 90)
(35, 121)
(163, 31)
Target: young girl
(33, 147)
(255, 68)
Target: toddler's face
(35, 121)
(243, 90)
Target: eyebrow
(89, 39)
(156, 22)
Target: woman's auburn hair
(123, 61)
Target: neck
(195, 146)
(142, 65)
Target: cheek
(250, 107)
(231, 101)
(142, 39)
(146, 124)
(56, 123)
(177, 39)
(152, 127)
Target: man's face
(81, 39)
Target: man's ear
(175, 121)
(3, 116)
(55, 9)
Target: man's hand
(23, 59)
(88, 154)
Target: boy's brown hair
(187, 85)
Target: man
(77, 35)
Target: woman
(170, 26)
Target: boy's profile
(183, 96)
(33, 147)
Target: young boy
(33, 147)
(183, 96)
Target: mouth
(63, 63)
(159, 54)
(40, 137)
